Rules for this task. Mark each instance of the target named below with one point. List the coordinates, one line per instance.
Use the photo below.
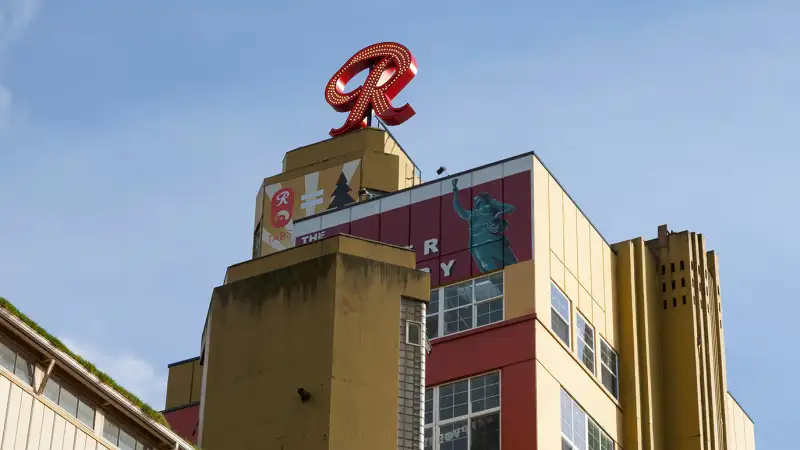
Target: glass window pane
(428, 406)
(457, 320)
(458, 295)
(559, 302)
(23, 370)
(86, 414)
(585, 342)
(485, 392)
(69, 402)
(126, 441)
(428, 439)
(453, 436)
(414, 336)
(485, 432)
(566, 415)
(432, 326)
(578, 427)
(51, 390)
(489, 287)
(609, 381)
(110, 431)
(453, 400)
(433, 304)
(560, 327)
(489, 312)
(594, 436)
(7, 357)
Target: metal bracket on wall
(51, 364)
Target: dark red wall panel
(394, 227)
(184, 421)
(518, 406)
(517, 192)
(509, 241)
(433, 267)
(480, 350)
(367, 228)
(455, 267)
(455, 230)
(425, 226)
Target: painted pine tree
(341, 194)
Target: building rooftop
(89, 371)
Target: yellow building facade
(541, 333)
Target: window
(578, 430)
(609, 368)
(466, 305)
(464, 415)
(413, 333)
(16, 364)
(118, 436)
(585, 342)
(559, 313)
(69, 402)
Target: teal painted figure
(487, 224)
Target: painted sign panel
(305, 196)
(459, 228)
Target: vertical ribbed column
(411, 384)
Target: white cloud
(129, 371)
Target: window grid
(585, 342)
(69, 402)
(560, 313)
(609, 362)
(578, 430)
(15, 363)
(120, 437)
(465, 306)
(467, 403)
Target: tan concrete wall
(569, 251)
(319, 324)
(740, 429)
(183, 384)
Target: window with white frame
(120, 437)
(559, 313)
(16, 364)
(464, 415)
(466, 305)
(585, 342)
(70, 402)
(578, 430)
(609, 368)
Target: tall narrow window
(609, 373)
(559, 313)
(585, 342)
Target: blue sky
(134, 136)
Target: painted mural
(460, 227)
(298, 198)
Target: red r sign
(392, 67)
